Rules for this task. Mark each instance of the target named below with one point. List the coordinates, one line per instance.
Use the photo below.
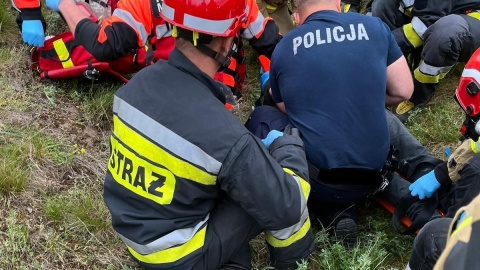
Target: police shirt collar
(316, 14)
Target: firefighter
(187, 185)
(436, 34)
(30, 21)
(279, 11)
(463, 169)
(135, 24)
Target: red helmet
(468, 95)
(211, 17)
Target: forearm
(393, 100)
(72, 13)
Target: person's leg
(229, 231)
(449, 40)
(281, 15)
(429, 244)
(389, 12)
(418, 160)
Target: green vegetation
(53, 151)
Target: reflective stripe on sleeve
(412, 36)
(174, 253)
(281, 243)
(419, 27)
(429, 74)
(172, 239)
(128, 18)
(255, 28)
(287, 236)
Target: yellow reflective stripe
(62, 53)
(465, 222)
(277, 243)
(346, 7)
(423, 78)
(304, 184)
(412, 36)
(270, 7)
(175, 253)
(141, 177)
(408, 12)
(473, 145)
(150, 151)
(475, 15)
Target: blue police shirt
(331, 74)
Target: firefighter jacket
(28, 10)
(174, 147)
(450, 170)
(424, 13)
(461, 251)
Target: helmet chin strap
(223, 60)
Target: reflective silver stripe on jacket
(218, 27)
(418, 26)
(162, 31)
(433, 71)
(471, 73)
(254, 28)
(405, 4)
(165, 137)
(172, 239)
(287, 232)
(128, 18)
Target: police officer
(187, 185)
(342, 122)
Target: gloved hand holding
(53, 4)
(425, 186)
(271, 136)
(32, 32)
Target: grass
(53, 215)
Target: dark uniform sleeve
(424, 14)
(266, 42)
(259, 183)
(120, 39)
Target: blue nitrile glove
(424, 186)
(264, 81)
(32, 32)
(271, 136)
(53, 5)
(448, 152)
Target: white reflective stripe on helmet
(194, 23)
(419, 27)
(471, 73)
(175, 238)
(128, 18)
